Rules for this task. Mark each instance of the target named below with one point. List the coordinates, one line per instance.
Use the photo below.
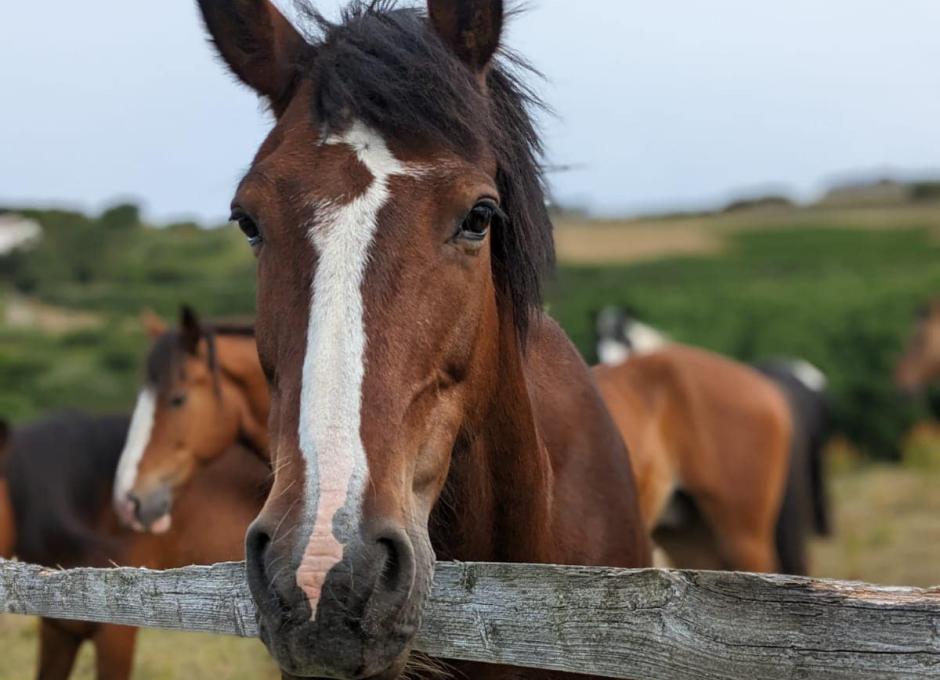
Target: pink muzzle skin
(323, 551)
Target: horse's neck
(498, 498)
(238, 361)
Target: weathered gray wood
(645, 624)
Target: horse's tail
(816, 413)
(791, 529)
(805, 502)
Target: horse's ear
(258, 43)
(153, 324)
(471, 28)
(4, 434)
(190, 330)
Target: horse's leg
(58, 648)
(114, 651)
(745, 536)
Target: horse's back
(595, 494)
(734, 413)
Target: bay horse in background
(919, 365)
(204, 392)
(60, 473)
(720, 410)
(422, 405)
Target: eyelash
(249, 228)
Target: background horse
(204, 392)
(805, 505)
(60, 473)
(713, 429)
(920, 363)
(422, 404)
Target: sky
(658, 105)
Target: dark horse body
(422, 404)
(60, 472)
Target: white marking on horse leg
(138, 436)
(334, 362)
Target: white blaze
(138, 436)
(334, 362)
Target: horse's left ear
(190, 330)
(258, 43)
(471, 28)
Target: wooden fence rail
(642, 624)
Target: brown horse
(804, 509)
(61, 474)
(422, 405)
(920, 363)
(713, 429)
(204, 393)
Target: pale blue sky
(663, 103)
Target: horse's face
(185, 416)
(376, 315)
(920, 362)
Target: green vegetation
(113, 266)
(842, 298)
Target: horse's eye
(177, 400)
(249, 228)
(476, 225)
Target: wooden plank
(649, 624)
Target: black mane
(385, 66)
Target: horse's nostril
(134, 502)
(257, 542)
(391, 570)
(398, 570)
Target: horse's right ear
(258, 43)
(190, 330)
(471, 28)
(153, 324)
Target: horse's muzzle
(367, 613)
(147, 511)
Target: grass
(161, 655)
